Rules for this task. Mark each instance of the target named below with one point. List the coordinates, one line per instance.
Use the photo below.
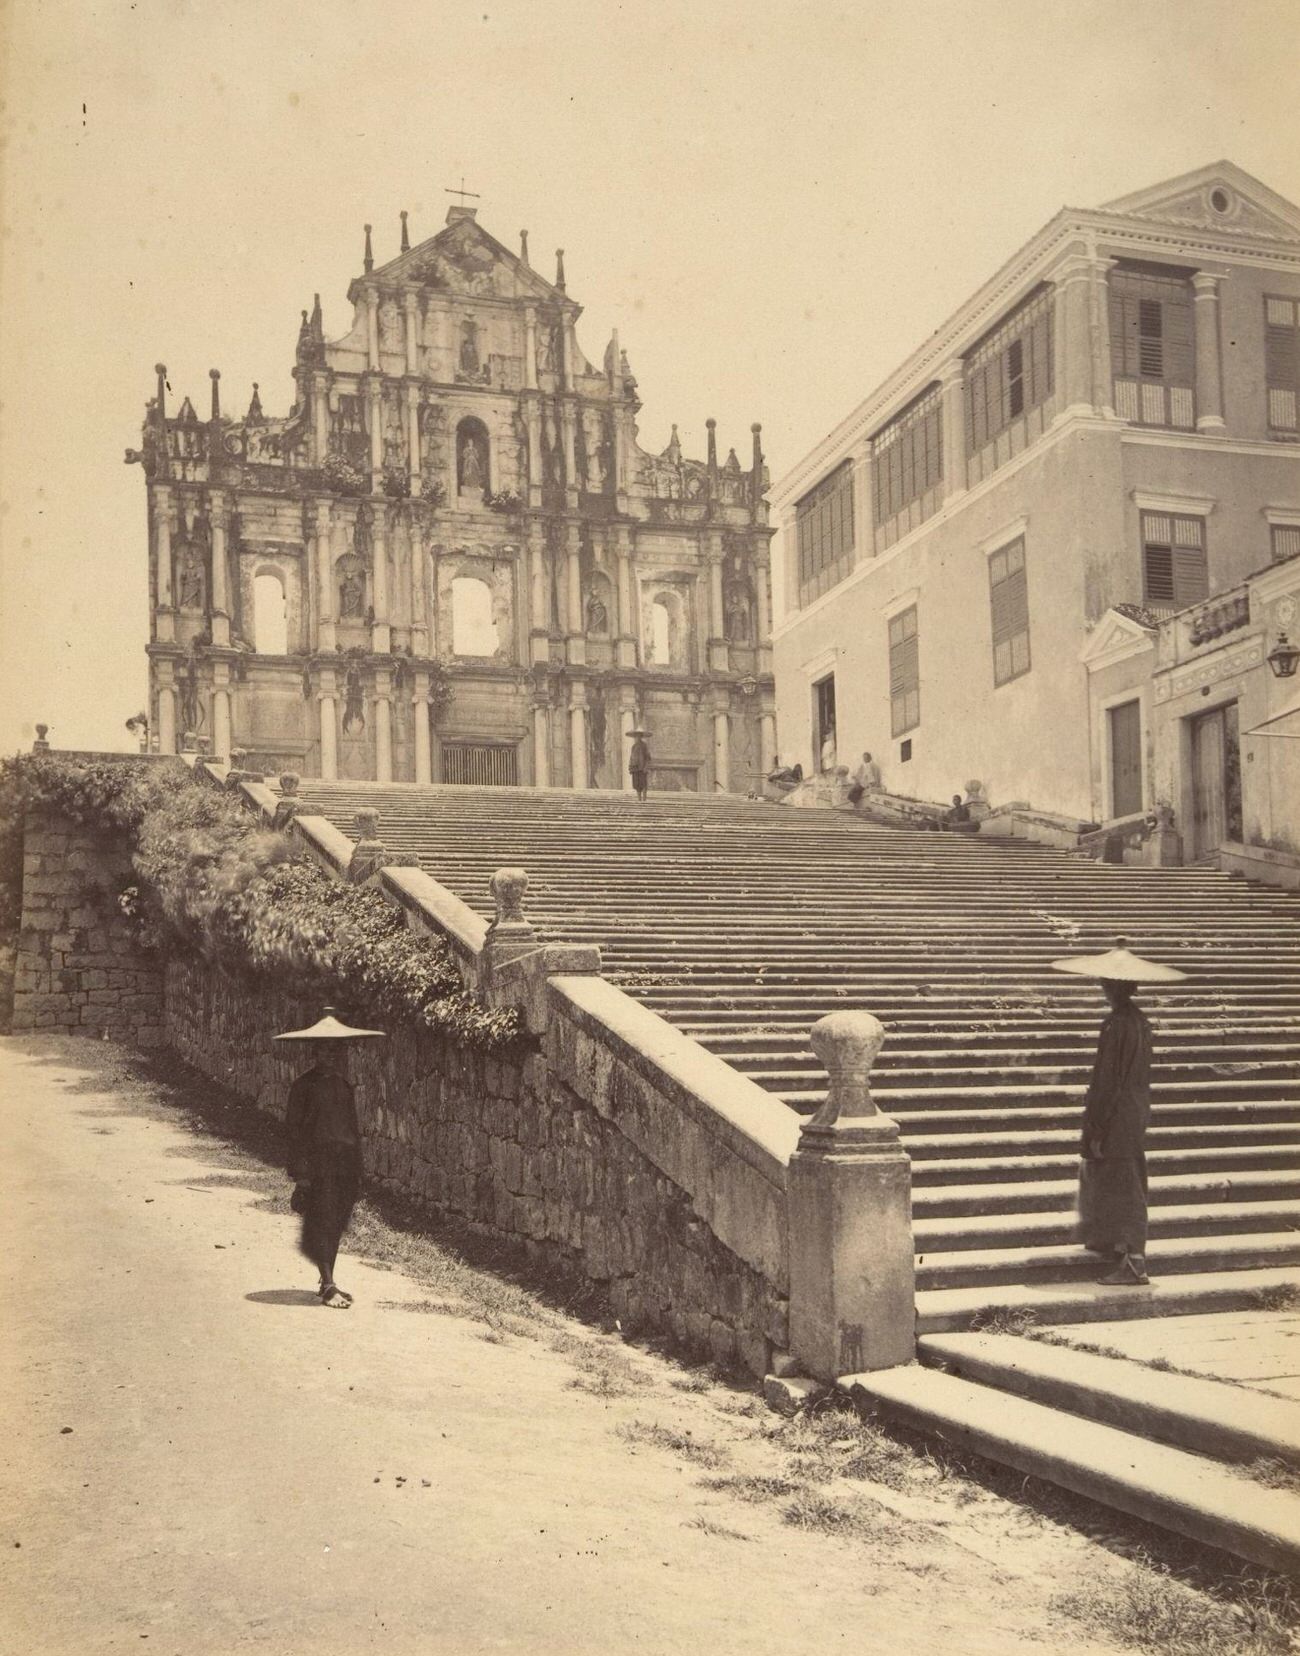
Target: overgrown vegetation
(213, 881)
(1147, 1609)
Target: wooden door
(1216, 780)
(1125, 759)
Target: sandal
(335, 1298)
(1128, 1274)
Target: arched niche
(350, 587)
(599, 610)
(473, 458)
(270, 611)
(666, 631)
(473, 627)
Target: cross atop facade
(462, 192)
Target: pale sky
(773, 203)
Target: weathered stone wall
(79, 965)
(511, 1147)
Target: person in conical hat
(324, 1147)
(1112, 1202)
(639, 762)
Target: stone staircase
(742, 923)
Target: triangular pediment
(1119, 633)
(464, 259)
(1219, 197)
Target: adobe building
(451, 560)
(1051, 551)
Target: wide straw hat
(1118, 965)
(636, 732)
(329, 1029)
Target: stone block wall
(513, 1147)
(79, 966)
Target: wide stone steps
(742, 924)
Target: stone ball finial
(974, 790)
(40, 745)
(508, 886)
(290, 781)
(367, 820)
(847, 1044)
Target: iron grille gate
(482, 764)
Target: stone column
(1103, 394)
(420, 716)
(324, 577)
(372, 327)
(419, 595)
(380, 630)
(628, 629)
(539, 599)
(578, 735)
(952, 380)
(533, 421)
(541, 745)
(329, 742)
(413, 438)
(762, 566)
(568, 353)
(164, 599)
(383, 729)
(766, 741)
(1209, 372)
(220, 572)
(166, 718)
(852, 1282)
(320, 417)
(721, 750)
(577, 651)
(719, 655)
(530, 348)
(1073, 278)
(626, 724)
(411, 313)
(221, 713)
(568, 427)
(374, 392)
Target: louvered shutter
(1281, 363)
(1286, 542)
(1009, 600)
(1191, 578)
(904, 672)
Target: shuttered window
(1282, 363)
(1286, 541)
(1010, 372)
(904, 673)
(1174, 572)
(1009, 597)
(824, 519)
(1153, 348)
(907, 456)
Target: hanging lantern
(1284, 657)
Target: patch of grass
(1145, 1609)
(709, 1527)
(1284, 1296)
(753, 1489)
(1277, 1474)
(426, 1307)
(832, 1442)
(1003, 1320)
(677, 1443)
(811, 1510)
(691, 1383)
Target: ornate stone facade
(452, 560)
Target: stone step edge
(1161, 1485)
(1164, 1253)
(1206, 1417)
(952, 1310)
(956, 1233)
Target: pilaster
(420, 716)
(164, 594)
(952, 381)
(220, 587)
(380, 630)
(1209, 368)
(577, 644)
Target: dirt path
(201, 1460)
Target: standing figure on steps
(1116, 1111)
(324, 1149)
(639, 762)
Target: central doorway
(1216, 779)
(824, 723)
(1125, 759)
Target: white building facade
(977, 563)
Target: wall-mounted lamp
(1284, 657)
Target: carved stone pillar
(721, 750)
(533, 420)
(952, 379)
(541, 744)
(166, 718)
(372, 327)
(374, 392)
(718, 659)
(324, 563)
(164, 590)
(221, 712)
(530, 348)
(539, 608)
(220, 569)
(320, 418)
(383, 729)
(766, 741)
(1209, 372)
(329, 742)
(411, 315)
(413, 438)
(626, 725)
(577, 650)
(568, 427)
(578, 768)
(628, 621)
(420, 716)
(380, 631)
(419, 593)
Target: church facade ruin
(451, 560)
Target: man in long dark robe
(325, 1161)
(639, 764)
(1116, 1110)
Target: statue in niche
(352, 594)
(473, 460)
(363, 531)
(191, 701)
(737, 617)
(552, 456)
(548, 349)
(593, 431)
(390, 327)
(430, 437)
(354, 701)
(597, 616)
(469, 356)
(394, 441)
